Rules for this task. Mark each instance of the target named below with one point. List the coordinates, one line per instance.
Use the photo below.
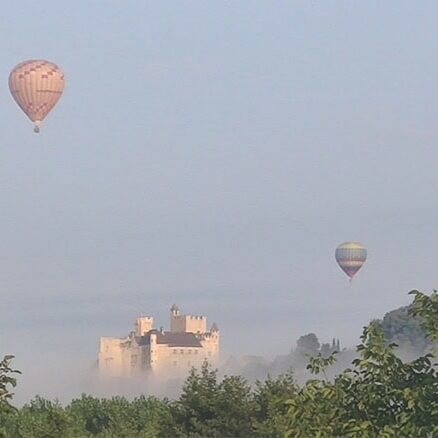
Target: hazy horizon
(213, 155)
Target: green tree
(91, 414)
(150, 415)
(208, 408)
(118, 417)
(42, 419)
(7, 381)
(270, 419)
(426, 309)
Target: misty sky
(214, 154)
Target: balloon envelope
(350, 257)
(36, 86)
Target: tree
(42, 418)
(308, 343)
(209, 409)
(143, 417)
(270, 419)
(426, 308)
(7, 381)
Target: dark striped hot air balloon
(350, 257)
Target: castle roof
(172, 339)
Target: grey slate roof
(171, 339)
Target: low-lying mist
(63, 373)
(65, 382)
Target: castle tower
(176, 321)
(143, 324)
(186, 323)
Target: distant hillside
(406, 332)
(401, 329)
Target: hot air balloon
(36, 86)
(350, 257)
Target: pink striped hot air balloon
(350, 257)
(36, 86)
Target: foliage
(41, 418)
(6, 381)
(426, 308)
(270, 409)
(208, 408)
(119, 417)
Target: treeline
(255, 368)
(400, 326)
(378, 396)
(405, 329)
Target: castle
(188, 344)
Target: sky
(213, 155)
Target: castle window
(189, 351)
(174, 352)
(181, 351)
